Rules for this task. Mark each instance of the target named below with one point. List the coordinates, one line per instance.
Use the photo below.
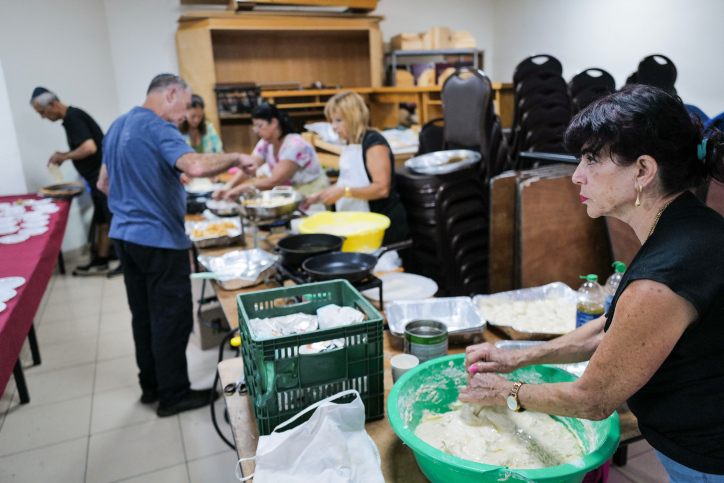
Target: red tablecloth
(33, 260)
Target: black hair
(267, 112)
(196, 101)
(644, 120)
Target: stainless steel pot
(254, 208)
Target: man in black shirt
(85, 140)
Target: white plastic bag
(333, 315)
(332, 447)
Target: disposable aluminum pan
(234, 236)
(443, 162)
(576, 368)
(552, 290)
(459, 314)
(239, 268)
(252, 207)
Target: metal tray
(575, 368)
(556, 289)
(240, 268)
(234, 236)
(459, 314)
(439, 161)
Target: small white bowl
(402, 363)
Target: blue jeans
(679, 473)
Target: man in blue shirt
(144, 155)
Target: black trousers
(159, 295)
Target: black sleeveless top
(391, 206)
(680, 410)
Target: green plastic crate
(281, 382)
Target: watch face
(512, 403)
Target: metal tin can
(426, 339)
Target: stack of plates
(18, 224)
(7, 289)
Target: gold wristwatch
(513, 401)
(347, 192)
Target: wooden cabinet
(266, 47)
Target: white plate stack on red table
(7, 289)
(17, 224)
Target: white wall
(12, 180)
(475, 16)
(64, 46)
(616, 35)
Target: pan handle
(392, 248)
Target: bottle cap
(619, 267)
(590, 277)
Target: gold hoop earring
(638, 199)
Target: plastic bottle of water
(612, 283)
(590, 300)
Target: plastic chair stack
(589, 85)
(655, 70)
(542, 107)
(448, 219)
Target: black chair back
(534, 64)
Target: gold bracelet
(347, 192)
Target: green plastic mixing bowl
(434, 386)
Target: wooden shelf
(224, 117)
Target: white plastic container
(612, 283)
(591, 300)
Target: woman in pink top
(291, 160)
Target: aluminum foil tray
(239, 268)
(459, 314)
(232, 238)
(556, 289)
(576, 368)
(443, 162)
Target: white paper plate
(403, 286)
(16, 238)
(33, 230)
(43, 201)
(6, 294)
(8, 229)
(15, 210)
(45, 209)
(11, 283)
(2, 306)
(35, 224)
(34, 215)
(4, 206)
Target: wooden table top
(398, 462)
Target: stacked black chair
(655, 70)
(449, 229)
(589, 85)
(542, 107)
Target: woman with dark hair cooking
(661, 345)
(291, 159)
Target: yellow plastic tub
(364, 231)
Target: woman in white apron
(366, 167)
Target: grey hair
(165, 81)
(44, 99)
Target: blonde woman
(366, 167)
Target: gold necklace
(657, 219)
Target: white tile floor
(84, 422)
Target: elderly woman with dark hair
(661, 345)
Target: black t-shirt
(391, 206)
(680, 410)
(80, 127)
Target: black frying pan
(295, 249)
(350, 266)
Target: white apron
(352, 173)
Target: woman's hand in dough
(488, 358)
(331, 194)
(486, 389)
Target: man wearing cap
(144, 155)
(85, 140)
